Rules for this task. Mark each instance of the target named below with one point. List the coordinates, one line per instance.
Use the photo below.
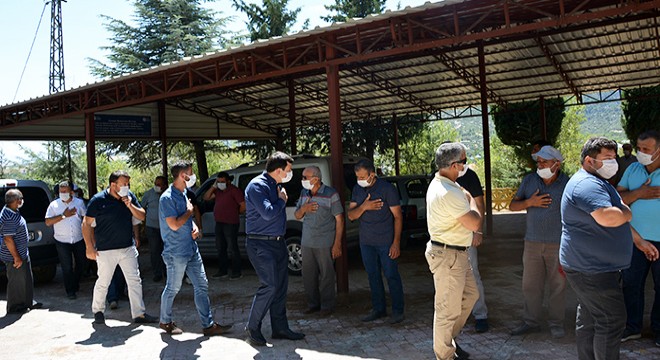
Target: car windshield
(36, 202)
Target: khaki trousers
(541, 267)
(455, 295)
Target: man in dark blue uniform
(265, 226)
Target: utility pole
(56, 75)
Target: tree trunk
(200, 158)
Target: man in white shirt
(65, 215)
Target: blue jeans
(192, 265)
(72, 259)
(634, 280)
(374, 259)
(270, 261)
(601, 314)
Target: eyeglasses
(462, 161)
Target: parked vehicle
(412, 191)
(241, 178)
(37, 197)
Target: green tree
(347, 9)
(164, 31)
(641, 111)
(571, 139)
(270, 19)
(63, 160)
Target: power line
(29, 53)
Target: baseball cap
(548, 152)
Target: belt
(265, 237)
(447, 246)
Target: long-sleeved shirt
(264, 210)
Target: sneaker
(99, 318)
(235, 277)
(171, 328)
(216, 329)
(629, 335)
(289, 335)
(145, 319)
(396, 318)
(524, 329)
(114, 305)
(557, 332)
(481, 325)
(373, 315)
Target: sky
(83, 35)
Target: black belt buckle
(447, 246)
(265, 237)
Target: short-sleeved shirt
(68, 230)
(445, 203)
(114, 221)
(150, 205)
(174, 203)
(14, 225)
(644, 211)
(228, 204)
(265, 211)
(587, 246)
(470, 182)
(543, 224)
(377, 226)
(319, 228)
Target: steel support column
(162, 134)
(336, 159)
(91, 154)
(397, 164)
(486, 136)
(544, 122)
(292, 116)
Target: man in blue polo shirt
(596, 244)
(16, 256)
(181, 254)
(376, 203)
(108, 232)
(265, 226)
(640, 189)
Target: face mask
(222, 186)
(545, 173)
(608, 169)
(123, 191)
(21, 204)
(191, 181)
(306, 184)
(646, 159)
(288, 177)
(157, 189)
(65, 196)
(462, 172)
(363, 183)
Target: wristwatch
(63, 216)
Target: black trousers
(20, 287)
(72, 259)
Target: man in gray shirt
(150, 205)
(323, 224)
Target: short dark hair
(627, 146)
(365, 164)
(161, 177)
(117, 174)
(225, 175)
(594, 145)
(180, 166)
(650, 134)
(278, 160)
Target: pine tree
(348, 9)
(270, 19)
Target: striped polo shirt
(14, 225)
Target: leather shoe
(254, 338)
(524, 329)
(373, 315)
(460, 353)
(481, 325)
(311, 310)
(289, 335)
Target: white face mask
(65, 196)
(462, 172)
(608, 169)
(21, 204)
(191, 181)
(123, 191)
(363, 183)
(646, 159)
(545, 173)
(157, 189)
(288, 177)
(306, 184)
(222, 186)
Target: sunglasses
(463, 161)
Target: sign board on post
(129, 126)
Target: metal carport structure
(434, 60)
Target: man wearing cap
(540, 195)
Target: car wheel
(295, 254)
(44, 274)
